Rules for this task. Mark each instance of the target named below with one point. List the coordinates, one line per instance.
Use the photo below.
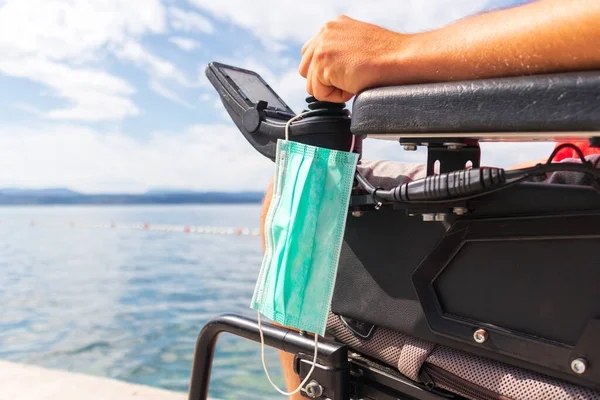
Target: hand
(347, 56)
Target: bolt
(454, 146)
(440, 217)
(428, 217)
(302, 333)
(410, 147)
(314, 390)
(579, 365)
(357, 214)
(459, 210)
(480, 336)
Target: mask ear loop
(289, 123)
(262, 355)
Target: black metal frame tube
(329, 354)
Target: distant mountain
(11, 196)
(57, 192)
(169, 191)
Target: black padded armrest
(567, 102)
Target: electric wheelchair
(455, 280)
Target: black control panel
(261, 115)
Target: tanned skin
(348, 56)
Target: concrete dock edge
(29, 382)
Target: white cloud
(53, 42)
(167, 93)
(165, 77)
(59, 29)
(204, 157)
(185, 44)
(28, 108)
(156, 66)
(298, 22)
(508, 154)
(189, 21)
(93, 94)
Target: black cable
(372, 191)
(585, 168)
(364, 183)
(564, 146)
(513, 177)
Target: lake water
(126, 303)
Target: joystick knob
(327, 107)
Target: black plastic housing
(521, 264)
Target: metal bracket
(452, 156)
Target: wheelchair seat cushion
(470, 376)
(388, 174)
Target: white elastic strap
(289, 123)
(262, 354)
(353, 142)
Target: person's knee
(265, 209)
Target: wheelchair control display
(261, 115)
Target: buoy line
(206, 230)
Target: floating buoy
(146, 225)
(187, 229)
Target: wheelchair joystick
(325, 124)
(327, 107)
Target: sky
(110, 95)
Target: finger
(321, 91)
(307, 59)
(309, 84)
(325, 91)
(306, 45)
(337, 96)
(345, 96)
(331, 93)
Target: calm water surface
(128, 304)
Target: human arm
(348, 56)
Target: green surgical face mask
(304, 230)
